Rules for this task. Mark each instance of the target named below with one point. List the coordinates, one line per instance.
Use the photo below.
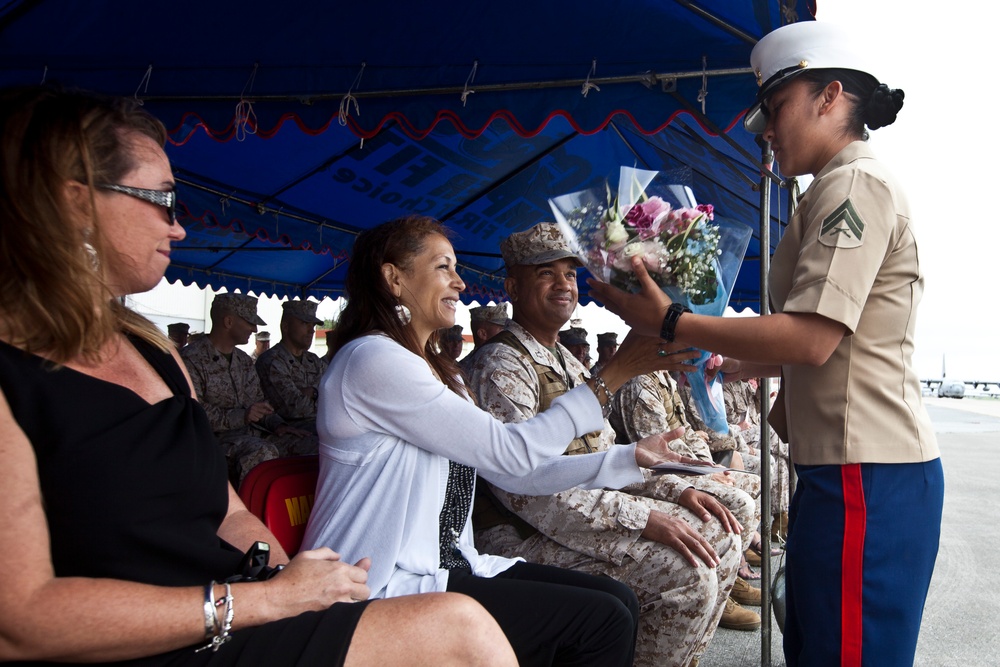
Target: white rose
(632, 249)
(615, 232)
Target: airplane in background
(946, 388)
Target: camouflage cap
(304, 310)
(573, 336)
(607, 339)
(538, 245)
(178, 328)
(242, 305)
(262, 336)
(495, 314)
(451, 333)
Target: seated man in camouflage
(642, 536)
(574, 339)
(649, 404)
(228, 387)
(178, 333)
(289, 373)
(262, 343)
(485, 322)
(727, 448)
(607, 345)
(450, 341)
(743, 413)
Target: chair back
(280, 493)
(288, 505)
(254, 488)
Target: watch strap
(674, 312)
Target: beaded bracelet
(221, 636)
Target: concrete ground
(962, 614)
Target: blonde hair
(56, 298)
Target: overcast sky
(944, 148)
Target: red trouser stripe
(853, 564)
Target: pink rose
(641, 216)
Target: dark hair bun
(883, 106)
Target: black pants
(553, 616)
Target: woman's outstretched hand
(644, 310)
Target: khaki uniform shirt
(849, 254)
(602, 523)
(226, 388)
(282, 378)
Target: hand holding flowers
(650, 247)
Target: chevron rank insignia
(843, 228)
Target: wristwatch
(674, 313)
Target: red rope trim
(853, 566)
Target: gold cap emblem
(760, 79)
(803, 64)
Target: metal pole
(767, 159)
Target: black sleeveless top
(131, 490)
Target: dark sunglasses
(165, 198)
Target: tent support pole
(767, 158)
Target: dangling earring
(403, 313)
(95, 261)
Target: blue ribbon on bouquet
(707, 393)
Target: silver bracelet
(211, 619)
(601, 385)
(221, 636)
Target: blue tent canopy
(267, 106)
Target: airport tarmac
(961, 624)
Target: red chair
(288, 505)
(280, 493)
(253, 489)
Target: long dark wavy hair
(371, 305)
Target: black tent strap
(649, 79)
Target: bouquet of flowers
(693, 257)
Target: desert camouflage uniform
(466, 362)
(282, 378)
(741, 400)
(649, 404)
(718, 442)
(599, 531)
(226, 389)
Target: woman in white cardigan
(401, 443)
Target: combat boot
(736, 617)
(744, 593)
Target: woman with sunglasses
(865, 518)
(120, 526)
